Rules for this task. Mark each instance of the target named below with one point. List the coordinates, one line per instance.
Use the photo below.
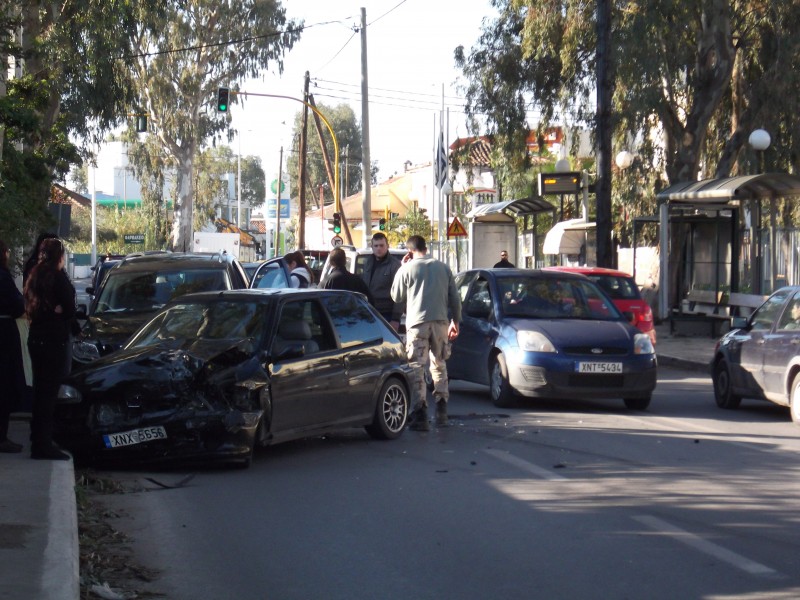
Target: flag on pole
(440, 164)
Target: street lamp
(760, 141)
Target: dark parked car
(138, 287)
(214, 374)
(760, 356)
(547, 334)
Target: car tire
(391, 411)
(637, 403)
(794, 400)
(723, 393)
(499, 386)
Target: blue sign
(285, 212)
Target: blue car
(760, 356)
(547, 334)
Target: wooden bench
(743, 305)
(701, 312)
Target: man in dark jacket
(504, 262)
(340, 278)
(379, 272)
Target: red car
(623, 290)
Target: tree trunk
(183, 219)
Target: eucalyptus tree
(71, 84)
(692, 78)
(195, 47)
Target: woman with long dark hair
(300, 274)
(50, 306)
(12, 379)
(33, 259)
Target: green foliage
(112, 225)
(415, 222)
(177, 87)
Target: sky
(410, 45)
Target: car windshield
(149, 291)
(618, 288)
(554, 298)
(212, 320)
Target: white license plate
(599, 367)
(134, 436)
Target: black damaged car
(215, 374)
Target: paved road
(553, 500)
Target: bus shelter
(723, 235)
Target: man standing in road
(428, 289)
(504, 262)
(341, 279)
(379, 272)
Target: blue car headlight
(533, 341)
(642, 344)
(85, 351)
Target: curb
(682, 363)
(61, 564)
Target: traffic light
(223, 96)
(382, 225)
(337, 223)
(141, 123)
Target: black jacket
(379, 275)
(504, 264)
(342, 279)
(48, 325)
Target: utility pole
(278, 204)
(301, 224)
(366, 210)
(605, 91)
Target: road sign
(456, 229)
(336, 241)
(133, 238)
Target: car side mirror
(90, 291)
(81, 312)
(739, 323)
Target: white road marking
(698, 543)
(525, 465)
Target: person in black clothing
(379, 272)
(504, 262)
(341, 279)
(50, 306)
(12, 382)
(33, 259)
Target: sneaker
(9, 447)
(441, 414)
(49, 453)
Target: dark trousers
(12, 376)
(50, 367)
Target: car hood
(579, 332)
(215, 362)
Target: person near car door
(300, 275)
(50, 306)
(427, 288)
(12, 380)
(340, 278)
(379, 272)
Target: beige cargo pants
(427, 344)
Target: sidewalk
(38, 522)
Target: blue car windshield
(554, 298)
